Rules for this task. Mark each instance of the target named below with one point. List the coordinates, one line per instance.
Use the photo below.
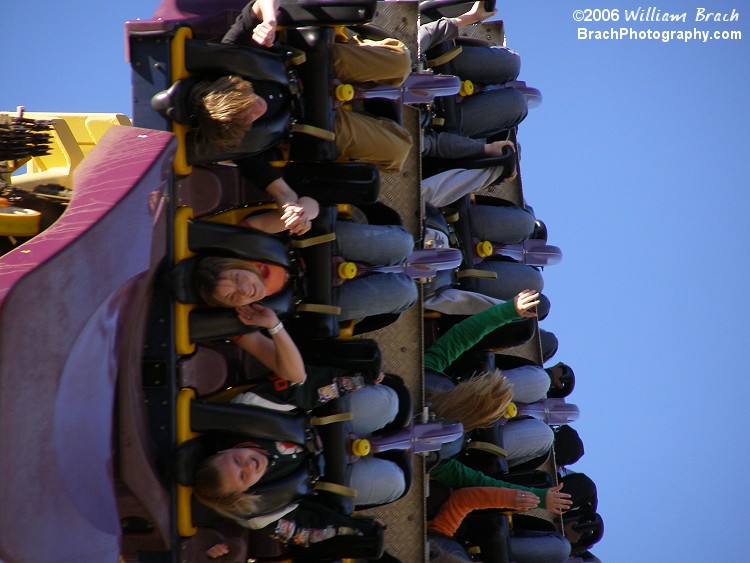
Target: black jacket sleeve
(242, 29)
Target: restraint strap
(318, 308)
(445, 57)
(330, 419)
(336, 489)
(313, 131)
(488, 447)
(472, 273)
(313, 241)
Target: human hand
(556, 501)
(217, 550)
(525, 301)
(265, 33)
(525, 501)
(496, 148)
(257, 315)
(477, 13)
(297, 217)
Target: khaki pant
(363, 60)
(382, 142)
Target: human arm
(278, 353)
(463, 501)
(256, 21)
(451, 146)
(446, 145)
(445, 29)
(465, 334)
(476, 14)
(496, 148)
(457, 475)
(295, 213)
(312, 522)
(265, 32)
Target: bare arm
(295, 214)
(265, 32)
(475, 15)
(278, 353)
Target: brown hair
(476, 403)
(217, 105)
(210, 269)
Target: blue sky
(636, 160)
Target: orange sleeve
(463, 501)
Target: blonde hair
(476, 403)
(210, 269)
(209, 489)
(217, 105)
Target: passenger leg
(449, 186)
(487, 64)
(530, 383)
(506, 225)
(376, 481)
(529, 546)
(363, 60)
(453, 301)
(372, 408)
(489, 113)
(382, 245)
(526, 439)
(512, 278)
(376, 294)
(382, 142)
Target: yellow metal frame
(184, 433)
(183, 345)
(178, 71)
(72, 137)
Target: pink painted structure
(73, 304)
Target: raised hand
(525, 301)
(265, 33)
(557, 501)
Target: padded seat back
(213, 419)
(316, 75)
(205, 371)
(357, 183)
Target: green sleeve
(465, 334)
(455, 474)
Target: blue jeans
(526, 438)
(489, 113)
(500, 224)
(529, 546)
(530, 383)
(487, 64)
(376, 481)
(511, 279)
(374, 294)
